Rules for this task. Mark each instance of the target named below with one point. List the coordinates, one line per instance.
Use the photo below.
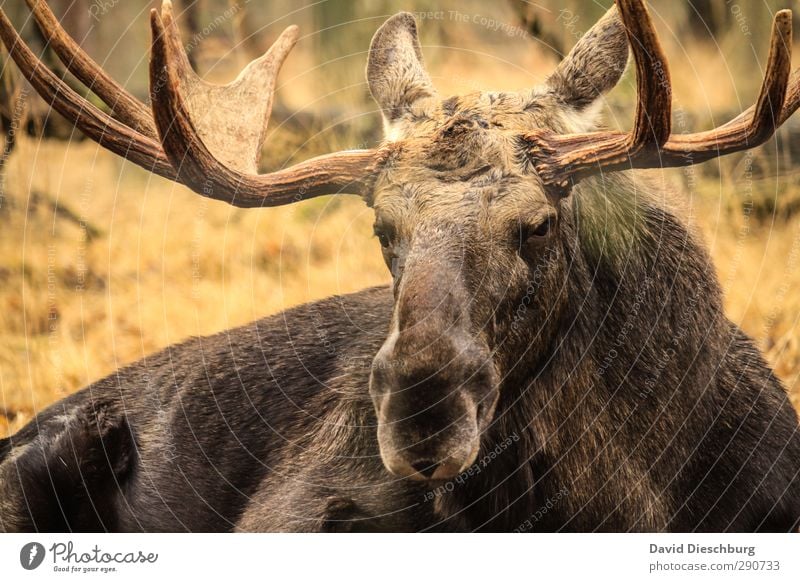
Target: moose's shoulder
(362, 311)
(304, 345)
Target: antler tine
(772, 95)
(757, 124)
(123, 105)
(199, 167)
(559, 159)
(230, 119)
(100, 127)
(653, 122)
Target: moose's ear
(395, 73)
(594, 65)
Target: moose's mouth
(430, 469)
(430, 423)
(441, 457)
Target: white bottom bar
(392, 557)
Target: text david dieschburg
(749, 551)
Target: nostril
(426, 467)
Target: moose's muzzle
(433, 383)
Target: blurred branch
(245, 42)
(13, 109)
(189, 19)
(61, 210)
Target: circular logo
(31, 555)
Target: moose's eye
(384, 235)
(542, 230)
(538, 232)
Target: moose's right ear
(395, 73)
(594, 65)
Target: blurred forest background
(102, 263)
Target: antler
(210, 136)
(563, 159)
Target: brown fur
(564, 363)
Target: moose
(551, 354)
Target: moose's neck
(644, 310)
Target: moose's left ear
(594, 65)
(395, 72)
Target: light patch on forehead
(392, 132)
(582, 121)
